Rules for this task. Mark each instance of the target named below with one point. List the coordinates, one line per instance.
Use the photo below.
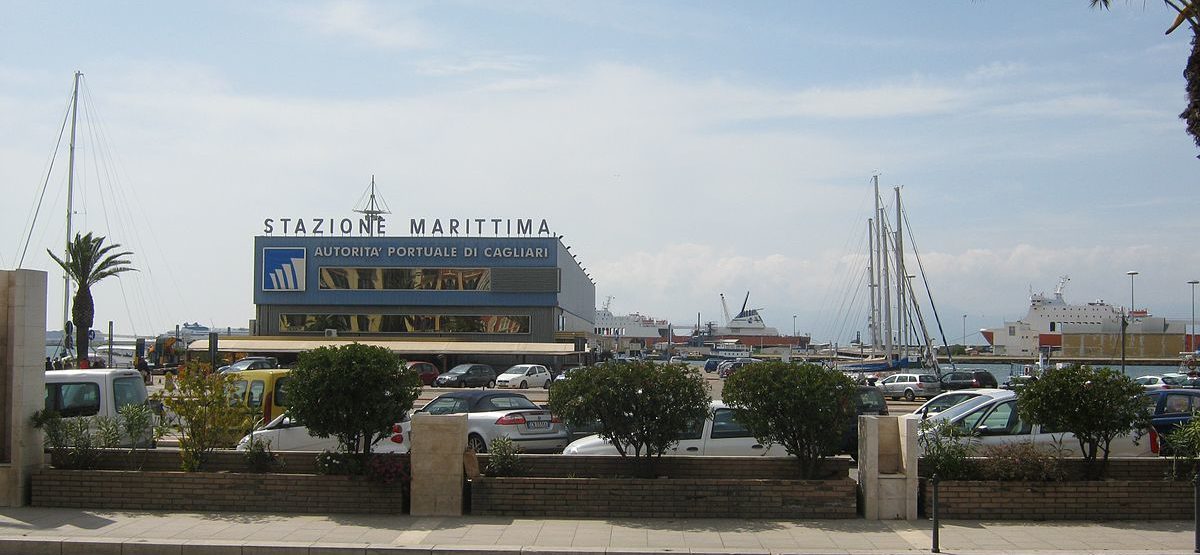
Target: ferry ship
(629, 326)
(749, 329)
(1042, 326)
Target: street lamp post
(793, 327)
(1132, 305)
(964, 339)
(1191, 338)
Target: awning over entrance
(295, 345)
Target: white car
(947, 400)
(285, 435)
(718, 435)
(492, 414)
(524, 376)
(992, 417)
(1165, 381)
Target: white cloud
(997, 71)
(365, 22)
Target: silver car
(910, 386)
(492, 414)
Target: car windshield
(505, 402)
(240, 365)
(962, 408)
(943, 402)
(518, 370)
(446, 405)
(459, 369)
(869, 399)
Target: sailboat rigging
(896, 322)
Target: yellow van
(261, 390)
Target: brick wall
(218, 461)
(207, 491)
(1114, 499)
(674, 498)
(1124, 468)
(754, 468)
(550, 466)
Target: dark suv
(868, 399)
(467, 375)
(967, 379)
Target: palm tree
(1189, 13)
(88, 261)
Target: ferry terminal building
(445, 299)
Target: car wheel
(476, 443)
(546, 384)
(909, 395)
(524, 384)
(492, 383)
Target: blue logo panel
(283, 268)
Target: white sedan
(718, 435)
(282, 434)
(524, 376)
(993, 419)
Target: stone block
(31, 546)
(91, 546)
(163, 546)
(211, 547)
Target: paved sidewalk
(70, 531)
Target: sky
(683, 150)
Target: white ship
(1043, 325)
(747, 322)
(628, 326)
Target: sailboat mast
(872, 287)
(885, 296)
(901, 277)
(70, 202)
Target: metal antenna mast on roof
(372, 209)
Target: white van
(100, 392)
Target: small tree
(354, 392)
(1095, 404)
(642, 407)
(203, 415)
(803, 407)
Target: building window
(405, 323)
(407, 279)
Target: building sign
(283, 268)
(417, 227)
(401, 252)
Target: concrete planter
(212, 491)
(664, 498)
(1096, 500)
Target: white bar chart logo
(283, 269)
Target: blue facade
(431, 252)
(470, 288)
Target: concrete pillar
(22, 379)
(887, 466)
(438, 443)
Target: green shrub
(504, 459)
(1020, 462)
(389, 468)
(354, 392)
(204, 419)
(259, 457)
(1183, 445)
(340, 464)
(73, 442)
(641, 406)
(803, 407)
(947, 450)
(1095, 404)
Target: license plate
(534, 424)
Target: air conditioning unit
(330, 333)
